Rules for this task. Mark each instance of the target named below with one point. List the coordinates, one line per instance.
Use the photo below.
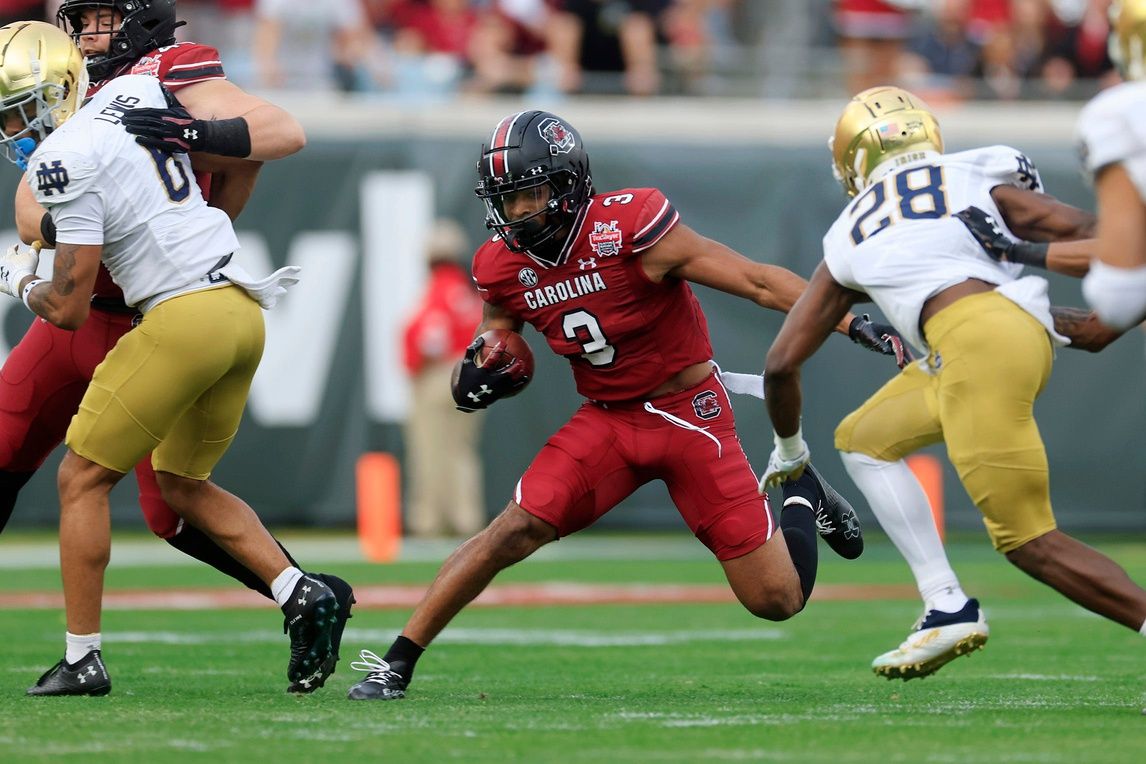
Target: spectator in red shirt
(443, 462)
(872, 34)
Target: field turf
(592, 683)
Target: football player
(1113, 142)
(48, 371)
(161, 389)
(988, 334)
(605, 278)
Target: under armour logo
(305, 591)
(191, 135)
(83, 675)
(50, 179)
(587, 264)
(476, 397)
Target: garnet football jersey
(176, 66)
(623, 334)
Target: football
(506, 349)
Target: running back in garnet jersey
(176, 66)
(623, 334)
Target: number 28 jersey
(623, 334)
(898, 242)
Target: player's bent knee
(1036, 555)
(178, 492)
(779, 607)
(515, 534)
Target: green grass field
(605, 683)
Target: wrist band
(228, 137)
(28, 290)
(1030, 253)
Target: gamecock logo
(561, 140)
(527, 277)
(706, 405)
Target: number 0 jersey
(898, 243)
(1112, 129)
(159, 237)
(623, 334)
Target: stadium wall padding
(294, 461)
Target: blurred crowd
(433, 49)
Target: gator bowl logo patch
(605, 239)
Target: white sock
(79, 645)
(1142, 631)
(283, 585)
(900, 504)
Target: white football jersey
(1112, 128)
(898, 243)
(159, 237)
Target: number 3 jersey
(142, 205)
(898, 243)
(623, 334)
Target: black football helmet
(529, 150)
(147, 25)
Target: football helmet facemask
(42, 83)
(145, 26)
(537, 152)
(1128, 38)
(881, 128)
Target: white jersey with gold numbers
(1112, 129)
(159, 237)
(897, 242)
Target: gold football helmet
(42, 83)
(1128, 37)
(878, 125)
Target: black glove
(476, 387)
(996, 244)
(175, 130)
(882, 338)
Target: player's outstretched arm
(1083, 329)
(1070, 258)
(218, 117)
(32, 221)
(685, 254)
(1040, 217)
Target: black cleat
(86, 677)
(381, 683)
(836, 521)
(344, 595)
(311, 613)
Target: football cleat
(344, 594)
(381, 682)
(311, 614)
(938, 639)
(836, 521)
(86, 677)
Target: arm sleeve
(188, 64)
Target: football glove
(785, 464)
(15, 264)
(175, 130)
(880, 338)
(477, 386)
(997, 244)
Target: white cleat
(938, 639)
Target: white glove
(786, 462)
(15, 265)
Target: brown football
(504, 349)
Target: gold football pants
(175, 385)
(994, 359)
